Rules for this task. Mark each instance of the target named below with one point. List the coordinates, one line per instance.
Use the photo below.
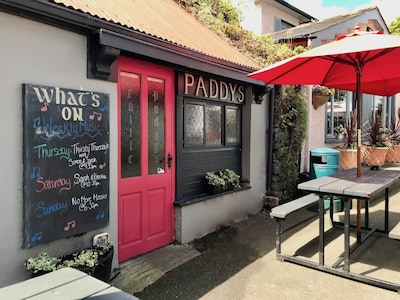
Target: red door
(146, 185)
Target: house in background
(119, 109)
(313, 34)
(267, 16)
(336, 111)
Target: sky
(322, 9)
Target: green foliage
(222, 178)
(291, 108)
(231, 177)
(224, 19)
(42, 262)
(394, 26)
(323, 90)
(215, 179)
(85, 258)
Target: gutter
(270, 139)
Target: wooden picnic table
(66, 283)
(346, 185)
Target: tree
(224, 19)
(394, 27)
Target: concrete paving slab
(239, 261)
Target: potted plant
(378, 144)
(214, 183)
(320, 95)
(218, 182)
(231, 178)
(95, 261)
(394, 137)
(41, 264)
(340, 131)
(348, 151)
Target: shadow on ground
(224, 253)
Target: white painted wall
(35, 53)
(269, 12)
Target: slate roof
(308, 29)
(165, 20)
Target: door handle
(169, 161)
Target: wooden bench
(395, 232)
(280, 212)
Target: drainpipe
(270, 137)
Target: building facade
(118, 117)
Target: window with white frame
(340, 105)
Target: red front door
(146, 186)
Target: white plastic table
(66, 283)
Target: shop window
(204, 124)
(233, 125)
(194, 124)
(213, 124)
(211, 141)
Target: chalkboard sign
(66, 162)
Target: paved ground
(238, 262)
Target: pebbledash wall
(40, 54)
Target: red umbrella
(361, 62)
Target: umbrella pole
(358, 104)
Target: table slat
(78, 289)
(40, 284)
(114, 294)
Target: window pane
(156, 110)
(233, 132)
(130, 124)
(213, 125)
(338, 111)
(193, 124)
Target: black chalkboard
(66, 162)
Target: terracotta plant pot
(393, 155)
(375, 156)
(348, 159)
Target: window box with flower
(95, 261)
(222, 181)
(321, 95)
